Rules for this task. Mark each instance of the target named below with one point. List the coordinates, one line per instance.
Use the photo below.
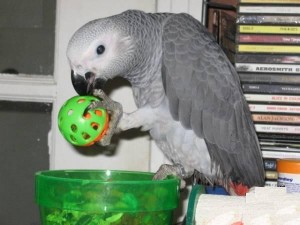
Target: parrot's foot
(143, 117)
(132, 120)
(175, 170)
(114, 110)
(126, 122)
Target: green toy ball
(80, 127)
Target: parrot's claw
(114, 110)
(105, 141)
(175, 170)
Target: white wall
(130, 154)
(193, 7)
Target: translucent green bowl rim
(171, 179)
(171, 183)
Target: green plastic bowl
(105, 197)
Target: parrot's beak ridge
(84, 85)
(79, 83)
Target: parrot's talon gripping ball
(115, 111)
(82, 126)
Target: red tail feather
(239, 189)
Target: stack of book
(268, 62)
(262, 39)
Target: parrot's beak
(84, 85)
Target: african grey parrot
(187, 92)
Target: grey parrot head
(98, 51)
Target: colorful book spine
(268, 58)
(275, 118)
(271, 128)
(259, 19)
(269, 9)
(274, 49)
(269, 108)
(280, 154)
(270, 78)
(294, 99)
(264, 38)
(270, 164)
(269, 29)
(271, 88)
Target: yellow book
(269, 48)
(269, 29)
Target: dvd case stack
(262, 39)
(268, 62)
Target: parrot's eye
(100, 49)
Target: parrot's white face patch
(104, 65)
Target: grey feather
(204, 93)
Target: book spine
(260, 19)
(273, 39)
(274, 118)
(280, 143)
(270, 88)
(274, 108)
(270, 9)
(270, 164)
(280, 149)
(267, 58)
(248, 77)
(272, 98)
(271, 128)
(280, 49)
(270, 183)
(280, 155)
(288, 138)
(271, 175)
(280, 139)
(269, 29)
(268, 68)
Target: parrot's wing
(205, 95)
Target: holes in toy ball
(74, 128)
(73, 138)
(95, 126)
(85, 135)
(98, 112)
(87, 115)
(70, 112)
(81, 100)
